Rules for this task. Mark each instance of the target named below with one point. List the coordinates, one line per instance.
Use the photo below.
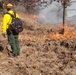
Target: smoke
(52, 14)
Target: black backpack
(16, 24)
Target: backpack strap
(13, 16)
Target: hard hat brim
(9, 5)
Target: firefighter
(11, 35)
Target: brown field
(43, 50)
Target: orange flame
(35, 17)
(69, 33)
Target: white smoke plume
(52, 14)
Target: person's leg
(17, 44)
(12, 43)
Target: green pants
(13, 41)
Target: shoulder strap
(13, 16)
(10, 15)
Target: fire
(35, 17)
(31, 38)
(69, 33)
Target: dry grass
(40, 55)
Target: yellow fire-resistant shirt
(7, 19)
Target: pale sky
(71, 10)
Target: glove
(4, 35)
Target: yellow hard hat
(9, 5)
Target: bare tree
(65, 3)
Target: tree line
(29, 5)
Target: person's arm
(4, 24)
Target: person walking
(11, 34)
